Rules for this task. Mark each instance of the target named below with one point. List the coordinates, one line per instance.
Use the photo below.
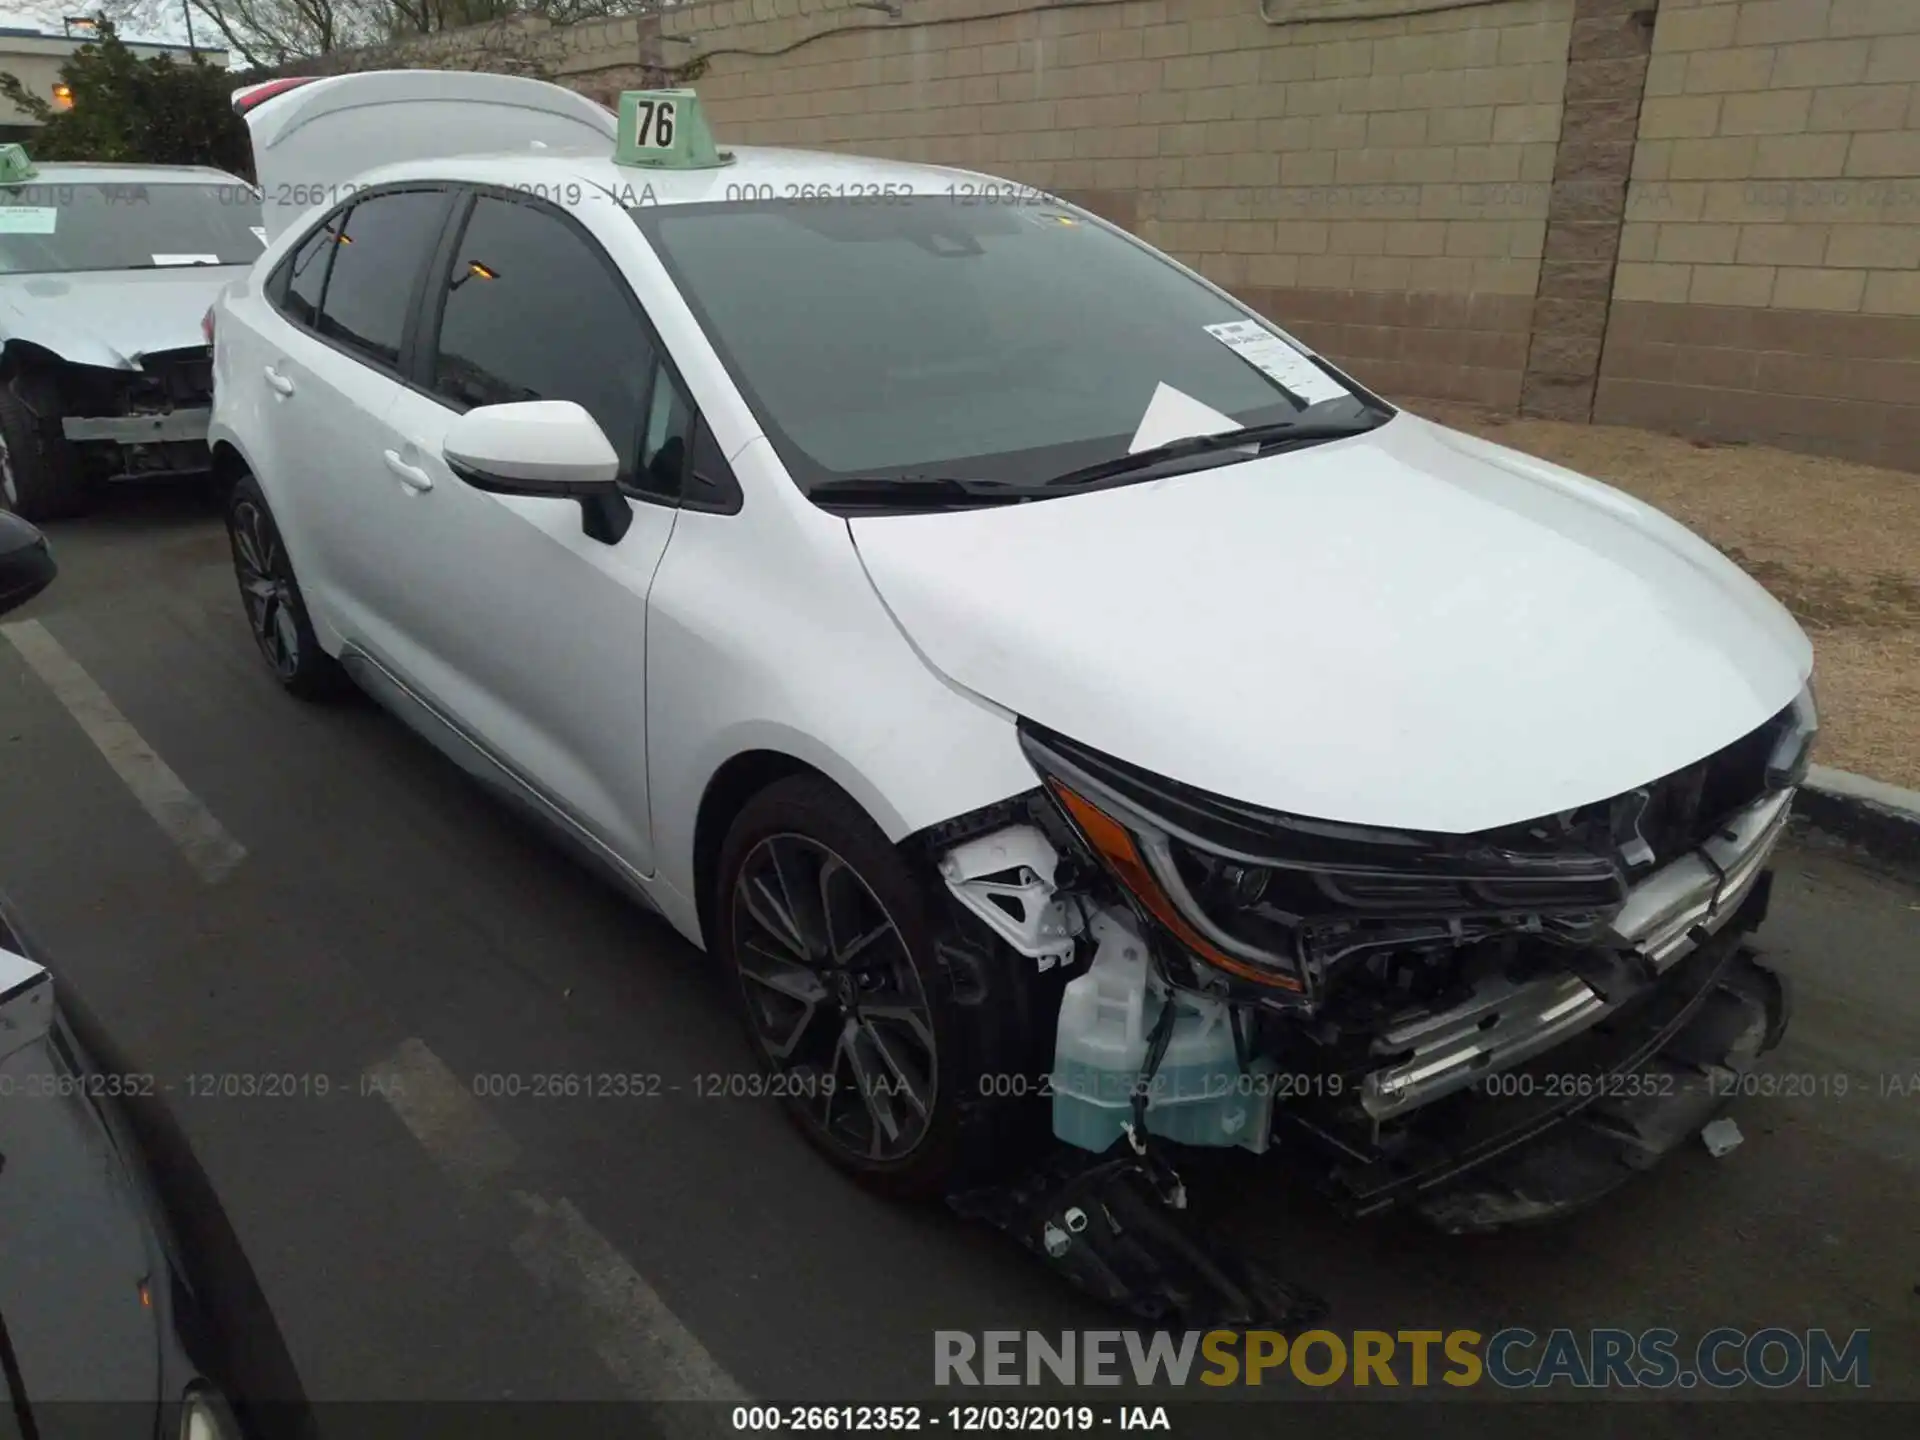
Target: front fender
(764, 634)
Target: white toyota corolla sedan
(1078, 715)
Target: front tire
(40, 477)
(276, 611)
(876, 1022)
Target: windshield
(929, 336)
(50, 226)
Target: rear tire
(876, 1009)
(40, 476)
(269, 593)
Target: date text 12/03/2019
(958, 1419)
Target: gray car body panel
(112, 318)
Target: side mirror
(26, 564)
(26, 1001)
(544, 449)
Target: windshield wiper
(922, 490)
(1256, 436)
(917, 491)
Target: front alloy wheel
(893, 1036)
(833, 998)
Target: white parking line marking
(442, 1114)
(174, 808)
(643, 1344)
(638, 1338)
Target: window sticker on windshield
(28, 219)
(186, 259)
(1175, 415)
(1278, 361)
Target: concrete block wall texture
(1379, 186)
(1769, 277)
(1607, 56)
(1700, 215)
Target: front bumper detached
(1556, 1133)
(185, 424)
(1685, 1072)
(1665, 917)
(1528, 1101)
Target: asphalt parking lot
(375, 915)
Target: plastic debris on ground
(1722, 1137)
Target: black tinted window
(52, 225)
(663, 444)
(306, 273)
(533, 313)
(376, 258)
(929, 335)
(710, 482)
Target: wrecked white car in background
(1088, 726)
(106, 273)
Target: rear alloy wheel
(271, 596)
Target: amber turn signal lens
(1115, 844)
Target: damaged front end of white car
(1488, 1029)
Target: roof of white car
(755, 166)
(91, 172)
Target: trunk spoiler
(314, 135)
(244, 100)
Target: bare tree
(254, 32)
(272, 33)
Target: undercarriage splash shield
(1113, 1227)
(1633, 1126)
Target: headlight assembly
(1793, 744)
(1275, 899)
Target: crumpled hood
(1412, 628)
(110, 318)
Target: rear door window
(379, 253)
(304, 274)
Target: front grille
(180, 377)
(1685, 808)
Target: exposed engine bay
(1487, 1029)
(145, 423)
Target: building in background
(35, 57)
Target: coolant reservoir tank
(1198, 1095)
(1101, 1042)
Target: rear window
(48, 227)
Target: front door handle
(411, 476)
(278, 381)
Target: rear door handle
(411, 476)
(278, 381)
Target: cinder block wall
(1769, 285)
(1699, 215)
(1379, 186)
